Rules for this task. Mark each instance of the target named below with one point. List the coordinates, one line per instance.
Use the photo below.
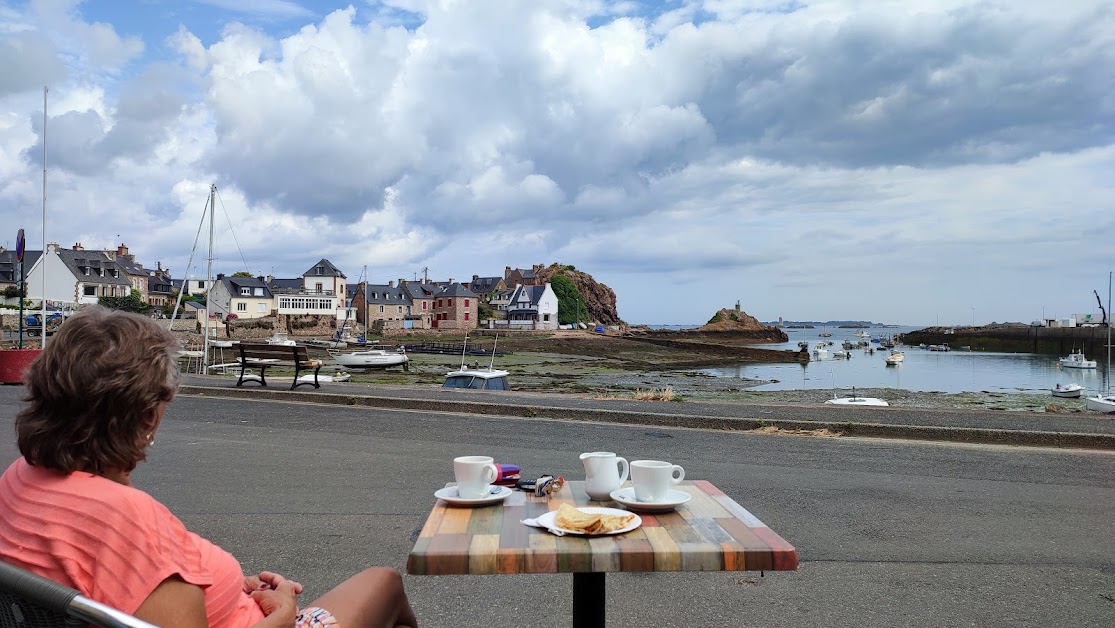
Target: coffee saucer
(626, 496)
(450, 496)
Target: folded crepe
(572, 519)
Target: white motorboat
(372, 359)
(842, 354)
(1076, 361)
(339, 376)
(1068, 391)
(1101, 403)
(280, 339)
(820, 352)
(477, 379)
(895, 358)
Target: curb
(988, 436)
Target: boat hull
(1068, 392)
(1103, 403)
(371, 359)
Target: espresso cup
(474, 475)
(652, 479)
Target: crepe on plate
(574, 520)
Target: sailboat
(1105, 402)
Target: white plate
(449, 495)
(547, 520)
(626, 496)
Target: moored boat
(372, 359)
(895, 358)
(1068, 391)
(1101, 403)
(1076, 360)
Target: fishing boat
(895, 358)
(477, 377)
(1068, 391)
(1076, 361)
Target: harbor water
(922, 370)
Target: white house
(533, 307)
(246, 297)
(75, 277)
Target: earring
(150, 439)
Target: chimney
(158, 265)
(78, 247)
(53, 247)
(390, 284)
(475, 277)
(220, 276)
(506, 272)
(270, 278)
(122, 250)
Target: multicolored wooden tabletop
(711, 532)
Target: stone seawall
(1018, 339)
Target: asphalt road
(890, 533)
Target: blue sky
(890, 160)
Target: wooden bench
(264, 356)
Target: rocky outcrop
(599, 298)
(737, 320)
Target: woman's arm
(174, 602)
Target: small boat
(477, 379)
(842, 354)
(895, 358)
(339, 376)
(856, 401)
(324, 344)
(1076, 361)
(820, 352)
(280, 339)
(372, 359)
(222, 344)
(1101, 403)
(1069, 391)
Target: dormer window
(245, 291)
(259, 292)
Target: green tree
(132, 303)
(571, 305)
(168, 307)
(484, 311)
(242, 273)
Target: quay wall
(1017, 339)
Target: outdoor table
(711, 532)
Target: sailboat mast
(208, 281)
(42, 301)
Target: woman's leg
(373, 598)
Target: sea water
(922, 370)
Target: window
(259, 292)
(241, 307)
(466, 316)
(317, 286)
(261, 308)
(90, 291)
(424, 303)
(400, 308)
(466, 302)
(381, 309)
(320, 271)
(449, 303)
(245, 291)
(201, 285)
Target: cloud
(262, 8)
(766, 147)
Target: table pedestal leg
(588, 600)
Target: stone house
(422, 299)
(160, 287)
(76, 276)
(386, 305)
(455, 307)
(522, 277)
(485, 287)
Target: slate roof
(484, 285)
(95, 261)
(9, 266)
(382, 294)
(533, 292)
(421, 290)
(158, 283)
(328, 270)
(280, 286)
(130, 266)
(456, 290)
(233, 284)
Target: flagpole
(43, 295)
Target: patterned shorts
(315, 617)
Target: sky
(900, 161)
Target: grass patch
(656, 394)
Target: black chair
(28, 600)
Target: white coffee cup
(604, 473)
(652, 479)
(475, 475)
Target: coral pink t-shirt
(114, 543)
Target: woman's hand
(262, 582)
(278, 603)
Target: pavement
(1083, 430)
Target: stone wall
(293, 325)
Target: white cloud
(772, 152)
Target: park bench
(264, 356)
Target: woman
(68, 511)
